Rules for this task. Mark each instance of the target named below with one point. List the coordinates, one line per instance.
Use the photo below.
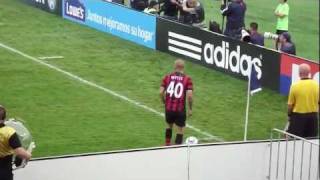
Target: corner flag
(255, 85)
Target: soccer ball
(191, 140)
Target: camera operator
(170, 9)
(255, 36)
(286, 45)
(235, 13)
(192, 12)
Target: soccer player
(9, 145)
(175, 89)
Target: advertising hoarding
(218, 52)
(289, 71)
(115, 19)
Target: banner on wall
(52, 6)
(218, 52)
(289, 72)
(115, 19)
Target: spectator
(286, 45)
(235, 13)
(153, 8)
(192, 12)
(303, 105)
(255, 36)
(9, 145)
(139, 5)
(282, 14)
(170, 8)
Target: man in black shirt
(9, 145)
(171, 8)
(192, 12)
(235, 12)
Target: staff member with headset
(9, 145)
(303, 105)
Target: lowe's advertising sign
(115, 19)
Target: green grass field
(66, 116)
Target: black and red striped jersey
(176, 85)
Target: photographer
(192, 12)
(170, 9)
(255, 36)
(286, 45)
(235, 13)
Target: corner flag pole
(248, 105)
(254, 86)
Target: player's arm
(162, 94)
(190, 101)
(22, 153)
(163, 89)
(291, 101)
(189, 96)
(15, 144)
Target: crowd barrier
(275, 70)
(221, 161)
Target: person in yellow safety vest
(9, 145)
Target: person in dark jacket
(192, 12)
(171, 8)
(255, 36)
(286, 44)
(235, 13)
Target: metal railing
(296, 164)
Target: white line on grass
(104, 89)
(51, 57)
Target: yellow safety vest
(5, 134)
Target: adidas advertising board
(218, 52)
(52, 6)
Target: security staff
(9, 145)
(303, 105)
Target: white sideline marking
(51, 57)
(104, 89)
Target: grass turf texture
(68, 117)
